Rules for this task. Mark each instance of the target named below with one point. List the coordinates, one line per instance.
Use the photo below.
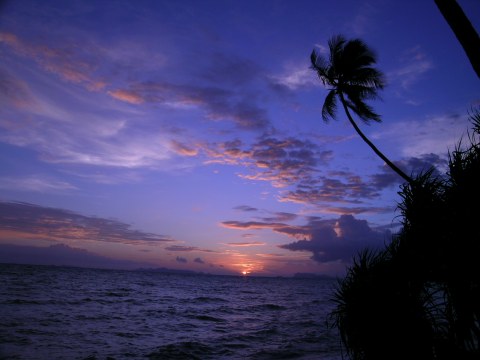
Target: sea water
(73, 313)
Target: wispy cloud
(413, 65)
(183, 149)
(245, 208)
(281, 228)
(246, 244)
(220, 103)
(34, 183)
(60, 225)
(187, 249)
(296, 76)
(431, 135)
(15, 92)
(363, 21)
(64, 61)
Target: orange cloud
(127, 96)
(64, 62)
(246, 244)
(58, 225)
(183, 149)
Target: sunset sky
(188, 134)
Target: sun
(245, 272)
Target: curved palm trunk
(463, 30)
(373, 147)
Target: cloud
(181, 260)
(246, 244)
(356, 210)
(296, 76)
(412, 166)
(61, 255)
(348, 188)
(245, 208)
(414, 63)
(183, 149)
(34, 221)
(89, 138)
(281, 161)
(299, 169)
(14, 91)
(230, 70)
(126, 96)
(280, 216)
(220, 103)
(199, 260)
(186, 248)
(363, 22)
(35, 183)
(434, 134)
(282, 228)
(66, 61)
(339, 240)
(329, 240)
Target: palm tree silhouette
(351, 77)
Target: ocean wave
(191, 350)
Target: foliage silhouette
(350, 74)
(420, 296)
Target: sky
(188, 134)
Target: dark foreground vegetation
(420, 296)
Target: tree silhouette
(420, 296)
(351, 78)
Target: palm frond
(368, 77)
(320, 65)
(336, 44)
(329, 106)
(364, 111)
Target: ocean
(51, 313)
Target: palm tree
(352, 79)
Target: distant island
(312, 276)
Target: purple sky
(188, 134)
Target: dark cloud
(281, 161)
(339, 240)
(355, 210)
(181, 260)
(246, 244)
(280, 217)
(412, 166)
(230, 70)
(327, 239)
(245, 208)
(186, 248)
(57, 224)
(282, 228)
(199, 260)
(346, 189)
(300, 169)
(59, 255)
(221, 103)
